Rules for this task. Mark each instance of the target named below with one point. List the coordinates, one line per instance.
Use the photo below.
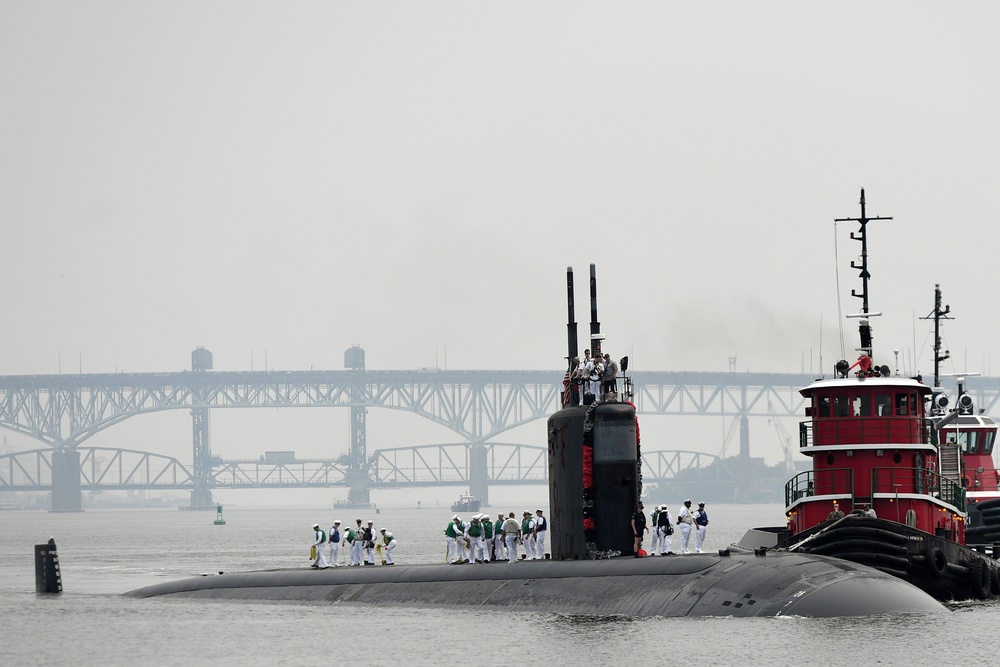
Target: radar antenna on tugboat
(864, 363)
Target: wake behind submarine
(594, 486)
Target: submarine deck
(740, 584)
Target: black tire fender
(937, 562)
(979, 579)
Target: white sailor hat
(370, 521)
(700, 504)
(455, 517)
(538, 510)
(315, 526)
(336, 521)
(382, 530)
(663, 506)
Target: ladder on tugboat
(949, 462)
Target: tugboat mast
(937, 315)
(864, 328)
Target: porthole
(896, 458)
(829, 459)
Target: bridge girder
(110, 469)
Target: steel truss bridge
(63, 411)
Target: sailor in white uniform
(358, 544)
(334, 540)
(685, 519)
(541, 528)
(700, 525)
(319, 539)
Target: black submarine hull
(742, 584)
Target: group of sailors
(592, 377)
(483, 540)
(360, 545)
(661, 526)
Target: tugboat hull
(935, 564)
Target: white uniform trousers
(369, 553)
(540, 543)
(654, 547)
(478, 548)
(529, 547)
(320, 558)
(498, 547)
(511, 540)
(452, 549)
(387, 550)
(666, 541)
(699, 538)
(335, 554)
(356, 552)
(685, 537)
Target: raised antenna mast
(571, 333)
(938, 315)
(595, 326)
(864, 328)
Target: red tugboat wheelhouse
(884, 489)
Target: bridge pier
(201, 469)
(66, 481)
(479, 473)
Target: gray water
(106, 553)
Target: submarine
(594, 487)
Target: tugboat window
(839, 406)
(863, 406)
(823, 406)
(883, 405)
(988, 443)
(901, 405)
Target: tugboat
(884, 490)
(466, 503)
(967, 439)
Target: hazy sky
(290, 179)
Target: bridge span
(63, 411)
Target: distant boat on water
(466, 503)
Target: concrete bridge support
(479, 473)
(66, 481)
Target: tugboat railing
(920, 481)
(829, 482)
(861, 430)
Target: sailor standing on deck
(389, 542)
(528, 535)
(475, 535)
(499, 548)
(369, 543)
(358, 544)
(654, 521)
(487, 525)
(665, 527)
(541, 526)
(511, 534)
(319, 539)
(451, 535)
(701, 525)
(334, 540)
(685, 520)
